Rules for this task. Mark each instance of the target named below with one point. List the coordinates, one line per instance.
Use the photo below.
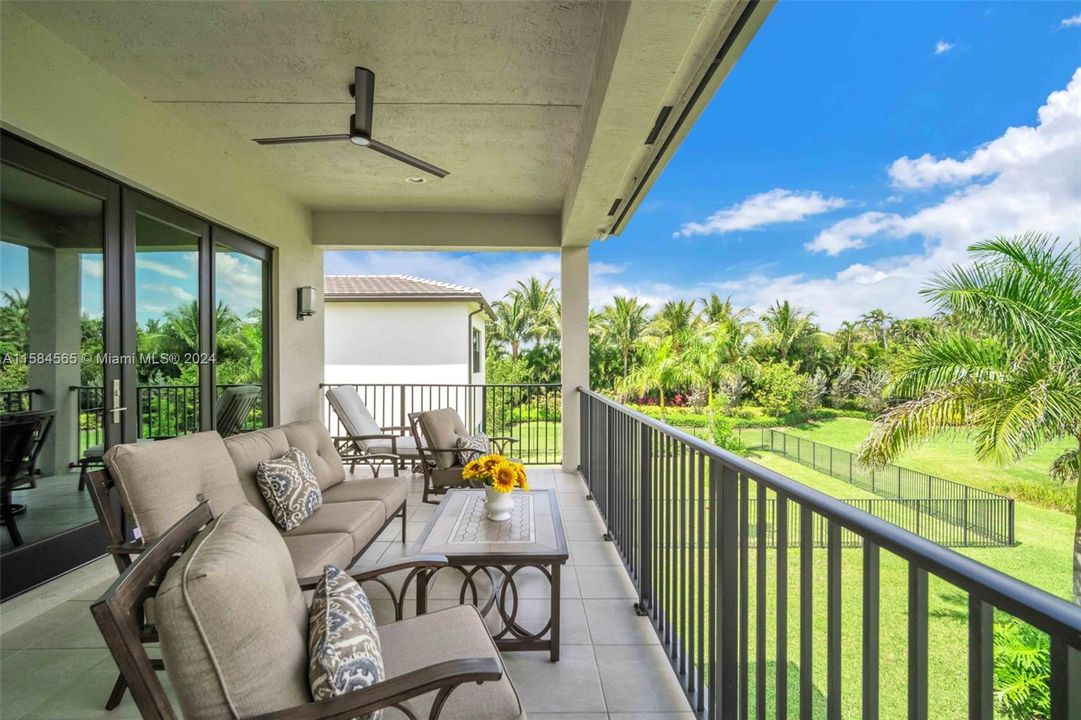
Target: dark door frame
(30, 565)
(134, 204)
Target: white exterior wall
(406, 342)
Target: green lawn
(539, 442)
(953, 457)
(1042, 558)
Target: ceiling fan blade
(299, 139)
(363, 100)
(407, 159)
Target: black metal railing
(13, 401)
(943, 511)
(685, 516)
(161, 411)
(530, 413)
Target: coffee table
(475, 547)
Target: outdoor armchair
(365, 440)
(436, 434)
(234, 623)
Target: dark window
(477, 354)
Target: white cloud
(145, 263)
(942, 47)
(1027, 179)
(850, 232)
(768, 208)
(93, 267)
(1074, 21)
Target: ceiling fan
(360, 127)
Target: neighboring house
(401, 329)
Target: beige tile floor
(53, 662)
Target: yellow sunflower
(504, 477)
(473, 469)
(488, 463)
(522, 482)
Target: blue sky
(855, 149)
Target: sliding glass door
(58, 254)
(122, 319)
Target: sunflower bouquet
(496, 472)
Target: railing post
(728, 642)
(609, 451)
(645, 512)
(1009, 510)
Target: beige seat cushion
(353, 413)
(403, 445)
(312, 553)
(441, 429)
(362, 520)
(314, 440)
(233, 622)
(390, 491)
(160, 481)
(451, 634)
(248, 450)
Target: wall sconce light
(305, 302)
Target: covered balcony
(696, 583)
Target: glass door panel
(241, 284)
(52, 345)
(169, 363)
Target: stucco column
(54, 328)
(574, 297)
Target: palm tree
(846, 336)
(788, 327)
(623, 324)
(716, 311)
(541, 307)
(663, 369)
(675, 320)
(878, 322)
(1009, 369)
(511, 324)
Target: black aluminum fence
(685, 515)
(162, 411)
(944, 511)
(13, 401)
(529, 413)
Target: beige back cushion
(233, 622)
(248, 450)
(313, 439)
(441, 429)
(353, 413)
(160, 481)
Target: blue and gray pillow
(344, 653)
(289, 487)
(473, 447)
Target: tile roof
(385, 286)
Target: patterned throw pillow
(344, 653)
(471, 448)
(289, 487)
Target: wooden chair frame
(114, 524)
(119, 615)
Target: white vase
(498, 505)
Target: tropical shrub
(725, 435)
(1022, 671)
(780, 389)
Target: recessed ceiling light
(415, 179)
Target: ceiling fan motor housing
(363, 90)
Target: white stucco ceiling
(513, 98)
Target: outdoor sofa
(160, 482)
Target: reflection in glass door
(169, 365)
(241, 287)
(54, 230)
